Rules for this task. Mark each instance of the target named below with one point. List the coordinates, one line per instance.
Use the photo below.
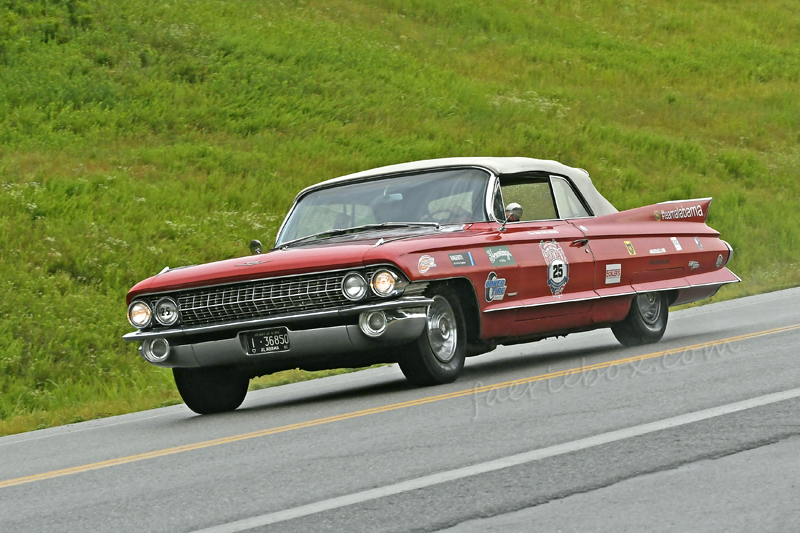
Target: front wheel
(211, 390)
(437, 356)
(646, 321)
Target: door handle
(580, 242)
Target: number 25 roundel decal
(557, 266)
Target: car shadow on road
(348, 392)
(486, 369)
(479, 367)
(398, 389)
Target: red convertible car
(424, 264)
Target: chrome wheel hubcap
(650, 307)
(442, 333)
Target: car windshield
(443, 197)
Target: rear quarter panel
(657, 247)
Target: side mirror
(514, 211)
(513, 214)
(256, 247)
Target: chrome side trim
(738, 280)
(410, 301)
(507, 308)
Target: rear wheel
(211, 390)
(437, 356)
(646, 321)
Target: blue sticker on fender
(495, 287)
(461, 259)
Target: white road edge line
(497, 464)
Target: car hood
(300, 260)
(399, 249)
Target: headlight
(383, 283)
(167, 312)
(354, 287)
(139, 314)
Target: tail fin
(683, 210)
(674, 211)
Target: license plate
(267, 341)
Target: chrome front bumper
(406, 320)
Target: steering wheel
(452, 214)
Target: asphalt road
(700, 432)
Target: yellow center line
(376, 410)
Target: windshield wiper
(356, 229)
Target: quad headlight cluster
(382, 283)
(165, 313)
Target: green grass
(135, 135)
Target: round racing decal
(426, 262)
(557, 266)
(495, 287)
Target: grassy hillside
(139, 134)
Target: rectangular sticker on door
(461, 259)
(500, 256)
(613, 273)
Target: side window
(569, 205)
(533, 196)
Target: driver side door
(556, 265)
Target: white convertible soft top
(499, 165)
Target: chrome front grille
(261, 299)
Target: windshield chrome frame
(492, 181)
(494, 187)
